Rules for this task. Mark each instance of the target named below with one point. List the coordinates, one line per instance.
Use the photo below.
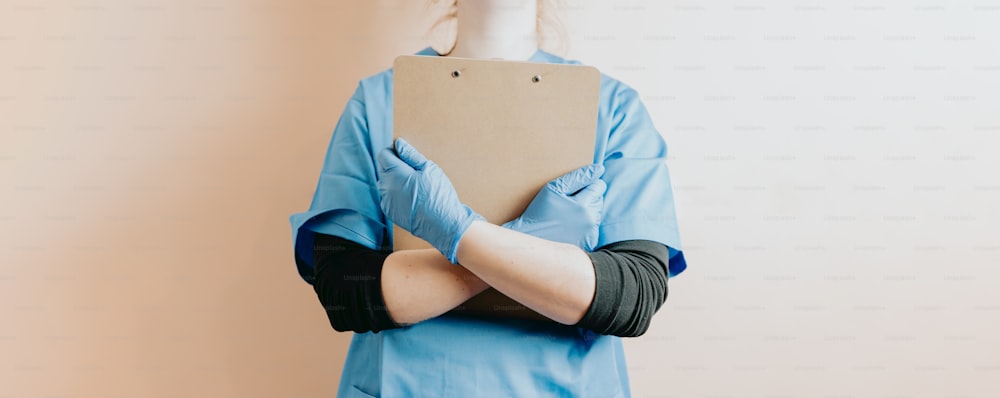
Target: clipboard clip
(458, 73)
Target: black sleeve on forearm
(349, 284)
(631, 286)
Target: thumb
(592, 192)
(388, 160)
(409, 154)
(569, 183)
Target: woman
(591, 254)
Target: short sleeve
(639, 203)
(346, 201)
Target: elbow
(631, 327)
(631, 321)
(638, 329)
(337, 322)
(632, 286)
(337, 312)
(347, 284)
(643, 317)
(637, 326)
(347, 315)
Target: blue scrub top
(456, 356)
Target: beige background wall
(834, 164)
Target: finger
(409, 154)
(570, 183)
(592, 192)
(388, 160)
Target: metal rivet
(456, 73)
(537, 78)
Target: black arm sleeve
(631, 286)
(349, 284)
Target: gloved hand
(567, 209)
(417, 196)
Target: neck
(504, 29)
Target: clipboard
(500, 130)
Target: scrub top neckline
(538, 56)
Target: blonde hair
(443, 33)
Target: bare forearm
(493, 304)
(554, 279)
(422, 284)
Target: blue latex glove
(568, 209)
(417, 196)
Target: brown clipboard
(500, 130)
